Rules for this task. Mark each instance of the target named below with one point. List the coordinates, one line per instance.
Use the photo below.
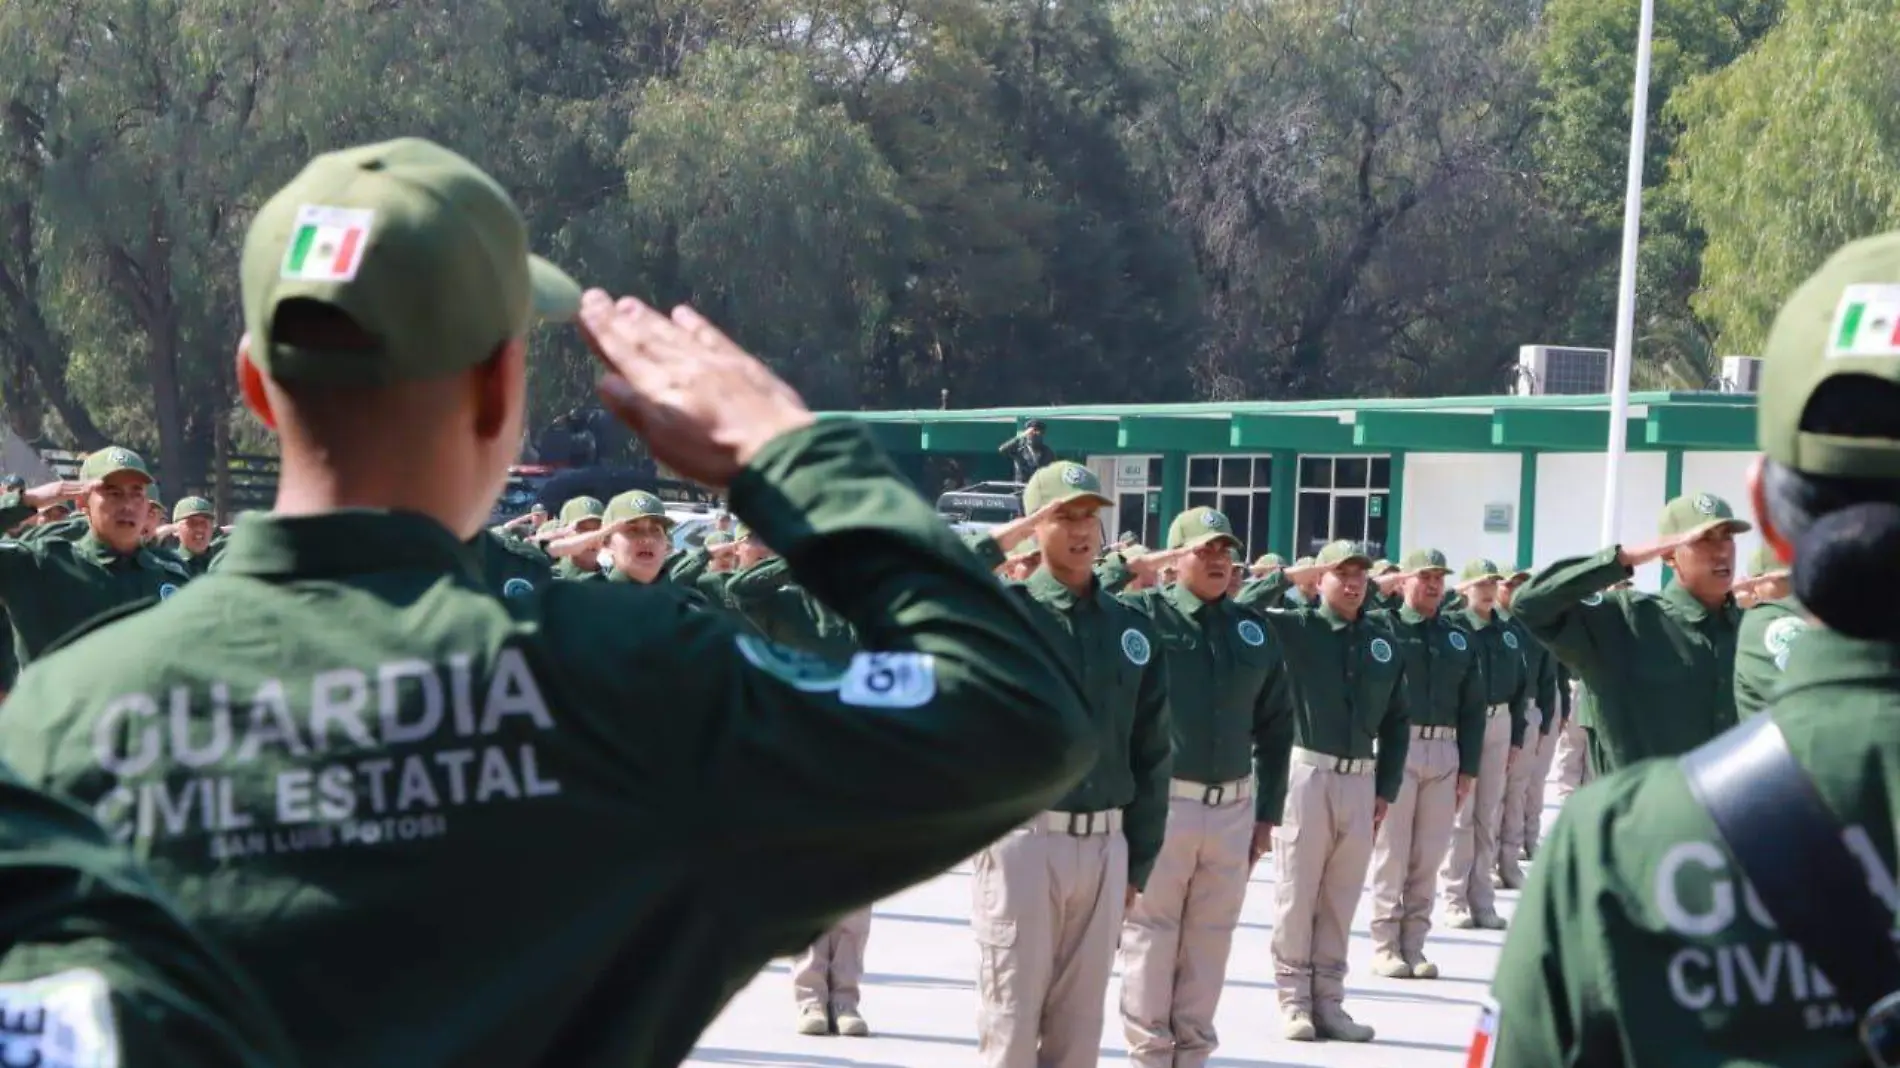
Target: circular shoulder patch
(1382, 650)
(1781, 634)
(1135, 646)
(1252, 633)
(1593, 600)
(517, 587)
(167, 589)
(1510, 639)
(801, 670)
(1457, 640)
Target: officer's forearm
(14, 510)
(1518, 720)
(1471, 732)
(1113, 572)
(984, 546)
(759, 582)
(1265, 592)
(1145, 824)
(1395, 740)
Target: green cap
(419, 247)
(1135, 551)
(1025, 547)
(1305, 561)
(1764, 561)
(1270, 560)
(636, 504)
(741, 532)
(1481, 570)
(1383, 566)
(1519, 575)
(1199, 526)
(717, 537)
(580, 508)
(1844, 320)
(1698, 512)
(1061, 482)
(1343, 552)
(1424, 560)
(110, 461)
(190, 506)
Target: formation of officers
(402, 790)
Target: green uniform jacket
(510, 568)
(1762, 643)
(79, 918)
(1110, 648)
(1348, 689)
(772, 600)
(1229, 698)
(1634, 945)
(1443, 679)
(563, 828)
(1507, 674)
(692, 568)
(1660, 667)
(567, 570)
(1540, 673)
(52, 585)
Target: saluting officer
(51, 585)
(1050, 895)
(510, 567)
(1470, 896)
(355, 731)
(1227, 700)
(194, 524)
(1445, 702)
(1660, 667)
(580, 515)
(1348, 686)
(1638, 941)
(1521, 823)
(1767, 633)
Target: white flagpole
(1626, 285)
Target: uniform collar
(1337, 621)
(1478, 622)
(89, 547)
(1827, 657)
(616, 575)
(1693, 610)
(1044, 586)
(1187, 602)
(1413, 616)
(347, 542)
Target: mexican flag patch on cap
(1867, 323)
(327, 243)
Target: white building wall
(1724, 474)
(1570, 506)
(1445, 498)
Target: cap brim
(1733, 526)
(108, 473)
(1211, 536)
(1428, 569)
(1518, 576)
(1084, 495)
(557, 297)
(1351, 558)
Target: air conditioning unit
(1545, 369)
(1741, 374)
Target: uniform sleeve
(1272, 746)
(686, 566)
(1113, 572)
(1551, 606)
(1395, 740)
(1471, 695)
(14, 510)
(1520, 698)
(853, 779)
(1264, 593)
(1549, 1010)
(1564, 691)
(1151, 759)
(985, 548)
(1546, 687)
(1755, 669)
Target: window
(1239, 487)
(1343, 497)
(1137, 493)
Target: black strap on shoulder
(1789, 846)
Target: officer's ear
(251, 385)
(500, 385)
(1758, 500)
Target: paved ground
(920, 999)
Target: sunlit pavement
(920, 998)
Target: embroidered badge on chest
(1135, 646)
(1381, 650)
(517, 587)
(1457, 641)
(166, 590)
(1252, 633)
(1593, 600)
(1510, 639)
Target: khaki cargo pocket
(996, 957)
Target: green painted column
(1527, 509)
(1672, 488)
(1395, 509)
(1286, 497)
(1173, 488)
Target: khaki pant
(1048, 907)
(1573, 759)
(1411, 845)
(1176, 941)
(1474, 834)
(1321, 852)
(827, 974)
(1540, 776)
(1519, 786)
